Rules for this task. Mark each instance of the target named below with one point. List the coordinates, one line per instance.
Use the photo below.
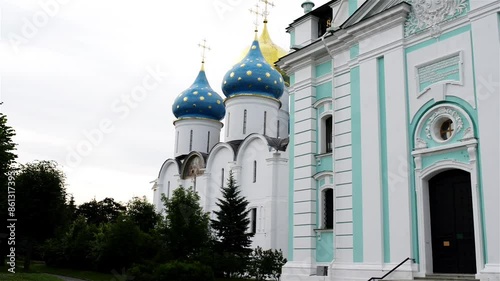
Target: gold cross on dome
(267, 3)
(257, 14)
(204, 48)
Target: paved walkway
(64, 278)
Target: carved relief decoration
(444, 111)
(430, 13)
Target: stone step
(448, 277)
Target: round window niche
(443, 128)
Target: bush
(183, 271)
(266, 264)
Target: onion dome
(253, 76)
(199, 101)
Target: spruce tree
(230, 226)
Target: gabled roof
(369, 9)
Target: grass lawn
(80, 274)
(27, 277)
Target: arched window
(265, 122)
(177, 142)
(245, 121)
(254, 171)
(222, 178)
(278, 129)
(208, 142)
(168, 189)
(191, 140)
(228, 120)
(253, 221)
(327, 208)
(326, 134)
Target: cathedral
(370, 149)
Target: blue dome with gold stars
(199, 101)
(253, 76)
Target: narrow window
(177, 142)
(168, 189)
(254, 171)
(228, 120)
(278, 135)
(265, 121)
(222, 178)
(328, 135)
(245, 121)
(208, 142)
(253, 220)
(328, 208)
(191, 140)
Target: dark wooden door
(453, 249)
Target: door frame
(422, 177)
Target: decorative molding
(428, 14)
(468, 134)
(443, 111)
(420, 144)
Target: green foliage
(7, 148)
(230, 225)
(7, 158)
(73, 248)
(118, 245)
(104, 211)
(185, 231)
(143, 214)
(27, 277)
(182, 271)
(40, 204)
(266, 264)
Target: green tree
(104, 211)
(143, 214)
(265, 265)
(185, 231)
(7, 159)
(230, 226)
(40, 204)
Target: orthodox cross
(257, 14)
(267, 3)
(204, 48)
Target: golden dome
(271, 52)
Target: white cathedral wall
(199, 141)
(486, 36)
(220, 158)
(256, 107)
(258, 193)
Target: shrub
(183, 271)
(266, 264)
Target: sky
(90, 83)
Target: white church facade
(383, 148)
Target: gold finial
(204, 48)
(267, 3)
(257, 14)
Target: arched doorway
(452, 222)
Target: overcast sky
(90, 83)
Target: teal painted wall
(460, 156)
(324, 90)
(413, 122)
(324, 246)
(383, 159)
(353, 6)
(357, 190)
(323, 69)
(292, 79)
(292, 38)
(354, 51)
(325, 165)
(291, 174)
